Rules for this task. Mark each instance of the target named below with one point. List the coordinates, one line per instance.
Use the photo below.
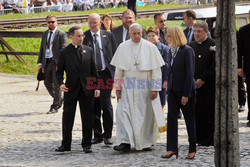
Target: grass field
(33, 44)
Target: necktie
(163, 37)
(127, 36)
(189, 34)
(97, 54)
(48, 43)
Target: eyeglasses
(51, 22)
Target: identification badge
(47, 53)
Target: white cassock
(138, 119)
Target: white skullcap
(135, 24)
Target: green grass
(33, 44)
(107, 10)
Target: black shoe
(108, 141)
(62, 149)
(122, 147)
(179, 115)
(248, 124)
(96, 140)
(147, 149)
(52, 111)
(87, 149)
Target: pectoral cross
(136, 65)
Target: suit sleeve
(63, 40)
(144, 34)
(40, 56)
(165, 67)
(190, 65)
(60, 69)
(240, 48)
(113, 43)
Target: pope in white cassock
(139, 115)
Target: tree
(226, 114)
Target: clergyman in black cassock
(204, 48)
(78, 62)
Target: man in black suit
(204, 75)
(189, 18)
(78, 62)
(104, 46)
(121, 32)
(244, 53)
(53, 41)
(161, 22)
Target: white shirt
(51, 43)
(98, 38)
(125, 31)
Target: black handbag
(40, 77)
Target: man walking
(139, 110)
(78, 62)
(104, 46)
(53, 40)
(244, 56)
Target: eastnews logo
(130, 83)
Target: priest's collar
(75, 46)
(202, 41)
(98, 33)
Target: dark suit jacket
(181, 74)
(77, 73)
(186, 33)
(118, 33)
(60, 41)
(164, 50)
(108, 46)
(244, 49)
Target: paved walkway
(29, 136)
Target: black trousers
(51, 83)
(132, 5)
(174, 106)
(248, 93)
(86, 111)
(103, 103)
(241, 91)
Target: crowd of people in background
(37, 6)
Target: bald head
(94, 22)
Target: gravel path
(29, 136)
